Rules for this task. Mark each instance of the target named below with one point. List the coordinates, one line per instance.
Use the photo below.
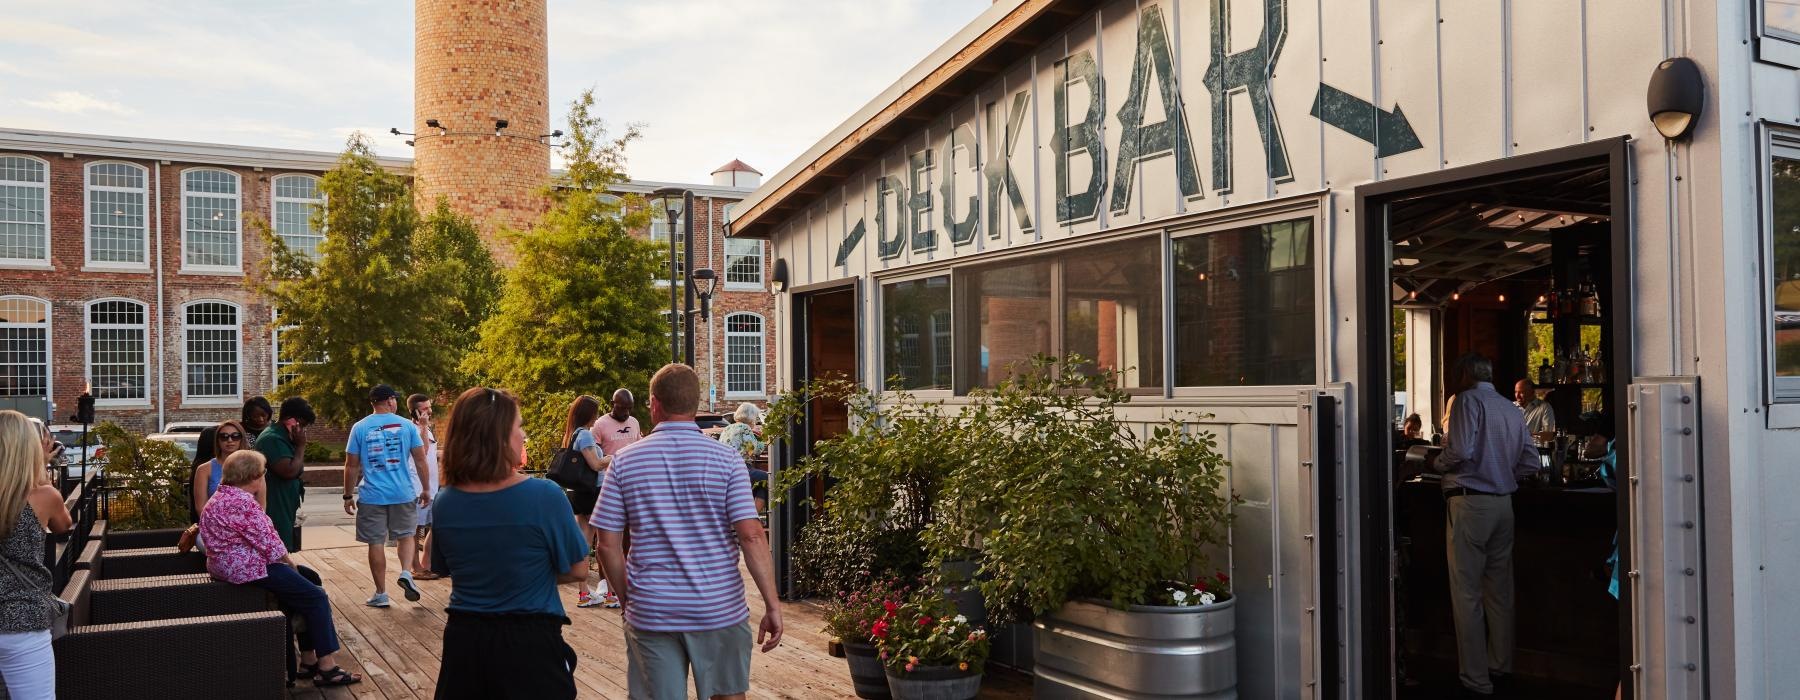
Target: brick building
(122, 266)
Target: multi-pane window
(284, 364)
(210, 214)
(117, 218)
(1010, 309)
(915, 328)
(743, 263)
(24, 209)
(210, 349)
(24, 347)
(1244, 306)
(1783, 207)
(296, 198)
(744, 354)
(118, 350)
(660, 232)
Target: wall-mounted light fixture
(779, 281)
(500, 125)
(1676, 97)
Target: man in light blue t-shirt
(386, 452)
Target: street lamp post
(687, 281)
(674, 201)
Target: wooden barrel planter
(866, 673)
(934, 683)
(1088, 649)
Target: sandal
(306, 670)
(335, 676)
(426, 576)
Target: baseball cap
(382, 392)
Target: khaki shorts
(377, 524)
(658, 662)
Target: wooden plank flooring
(397, 649)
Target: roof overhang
(179, 151)
(1008, 31)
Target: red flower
(888, 605)
(879, 630)
(1222, 577)
(924, 620)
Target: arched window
(211, 240)
(296, 198)
(24, 346)
(117, 220)
(744, 362)
(118, 350)
(210, 345)
(24, 210)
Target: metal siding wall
(1546, 85)
(1407, 53)
(1347, 63)
(1474, 81)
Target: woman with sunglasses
(228, 437)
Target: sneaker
(379, 600)
(406, 584)
(612, 601)
(586, 600)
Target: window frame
(275, 199)
(88, 328)
(237, 267)
(1772, 142)
(762, 265)
(1772, 47)
(879, 342)
(762, 363)
(43, 263)
(49, 326)
(188, 399)
(676, 276)
(87, 221)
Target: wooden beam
(1554, 205)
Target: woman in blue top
(505, 541)
(228, 437)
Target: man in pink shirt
(619, 428)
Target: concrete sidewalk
(323, 522)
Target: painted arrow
(1389, 131)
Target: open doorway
(1522, 262)
(824, 342)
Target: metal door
(1661, 559)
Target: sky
(708, 80)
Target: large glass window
(1244, 306)
(1010, 310)
(118, 350)
(743, 263)
(24, 347)
(1112, 310)
(915, 333)
(24, 210)
(744, 360)
(660, 231)
(296, 198)
(1784, 267)
(210, 213)
(210, 351)
(116, 218)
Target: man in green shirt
(283, 445)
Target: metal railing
(61, 551)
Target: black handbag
(569, 469)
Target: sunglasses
(231, 436)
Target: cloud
(72, 102)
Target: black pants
(505, 656)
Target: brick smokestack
(476, 62)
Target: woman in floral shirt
(242, 548)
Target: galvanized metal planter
(1092, 650)
(866, 673)
(935, 683)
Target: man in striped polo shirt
(685, 500)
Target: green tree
(377, 306)
(456, 257)
(579, 311)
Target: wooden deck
(397, 649)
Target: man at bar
(1485, 453)
(1540, 417)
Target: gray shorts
(658, 662)
(377, 524)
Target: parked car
(69, 434)
(711, 424)
(188, 426)
(188, 442)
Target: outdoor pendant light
(1676, 97)
(780, 276)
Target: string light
(1503, 297)
(1456, 296)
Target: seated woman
(227, 437)
(745, 435)
(242, 548)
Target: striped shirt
(678, 492)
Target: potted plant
(930, 652)
(852, 620)
(1094, 525)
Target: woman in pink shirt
(242, 548)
